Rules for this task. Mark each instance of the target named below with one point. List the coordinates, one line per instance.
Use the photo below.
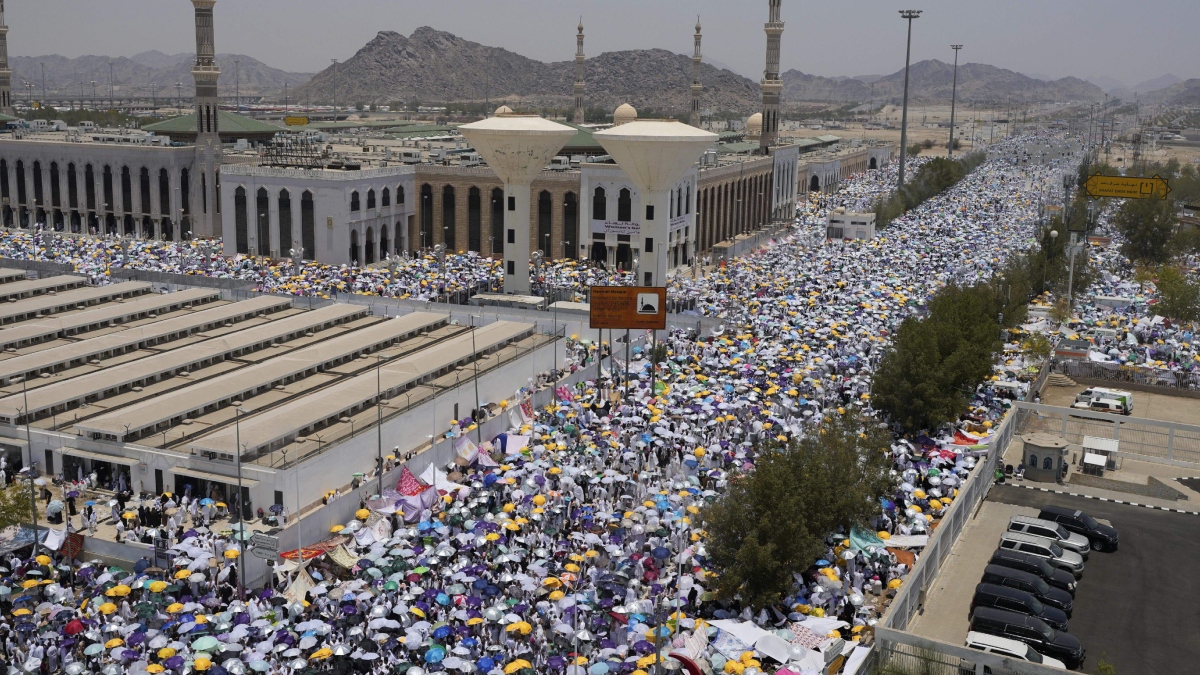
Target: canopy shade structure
(655, 154)
(517, 148)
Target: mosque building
(213, 173)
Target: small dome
(504, 110)
(754, 125)
(624, 114)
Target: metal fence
(974, 490)
(1141, 438)
(1170, 382)
(898, 653)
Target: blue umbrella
(442, 599)
(435, 654)
(485, 664)
(661, 553)
(206, 501)
(598, 669)
(441, 633)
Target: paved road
(1139, 603)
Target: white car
(994, 644)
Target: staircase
(1060, 380)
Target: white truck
(1102, 399)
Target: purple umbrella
(174, 662)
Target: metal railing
(1141, 438)
(912, 593)
(1167, 380)
(898, 653)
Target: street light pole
(953, 97)
(379, 359)
(237, 419)
(475, 365)
(237, 85)
(909, 15)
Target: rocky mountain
(1185, 93)
(436, 66)
(135, 75)
(932, 81)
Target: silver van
(1043, 548)
(1051, 530)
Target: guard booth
(1045, 457)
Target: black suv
(1015, 600)
(1030, 583)
(1102, 537)
(1032, 631)
(1035, 565)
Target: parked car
(1036, 566)
(1032, 631)
(1016, 600)
(1031, 583)
(1051, 530)
(994, 644)
(1103, 405)
(1102, 537)
(1044, 548)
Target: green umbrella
(205, 643)
(421, 570)
(391, 586)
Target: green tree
(16, 505)
(1148, 226)
(1179, 296)
(772, 522)
(914, 149)
(928, 376)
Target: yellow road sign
(1127, 187)
(295, 120)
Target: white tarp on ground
(437, 478)
(908, 541)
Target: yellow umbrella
(154, 669)
(571, 567)
(158, 586)
(337, 528)
(591, 554)
(115, 642)
(201, 664)
(474, 621)
(557, 595)
(22, 612)
(128, 514)
(43, 559)
(29, 583)
(417, 611)
(166, 653)
(362, 514)
(231, 554)
(182, 574)
(174, 608)
(321, 654)
(491, 536)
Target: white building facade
(336, 217)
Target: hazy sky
(1127, 40)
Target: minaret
(208, 141)
(772, 86)
(579, 86)
(5, 71)
(697, 88)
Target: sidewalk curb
(1104, 499)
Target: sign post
(1127, 187)
(630, 308)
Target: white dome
(624, 114)
(754, 125)
(504, 110)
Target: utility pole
(237, 85)
(43, 65)
(953, 97)
(908, 15)
(111, 96)
(178, 97)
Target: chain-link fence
(1170, 382)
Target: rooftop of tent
(231, 126)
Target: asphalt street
(1137, 605)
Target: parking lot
(1146, 405)
(1137, 605)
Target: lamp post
(178, 100)
(237, 85)
(237, 419)
(475, 378)
(909, 15)
(379, 359)
(33, 480)
(953, 97)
